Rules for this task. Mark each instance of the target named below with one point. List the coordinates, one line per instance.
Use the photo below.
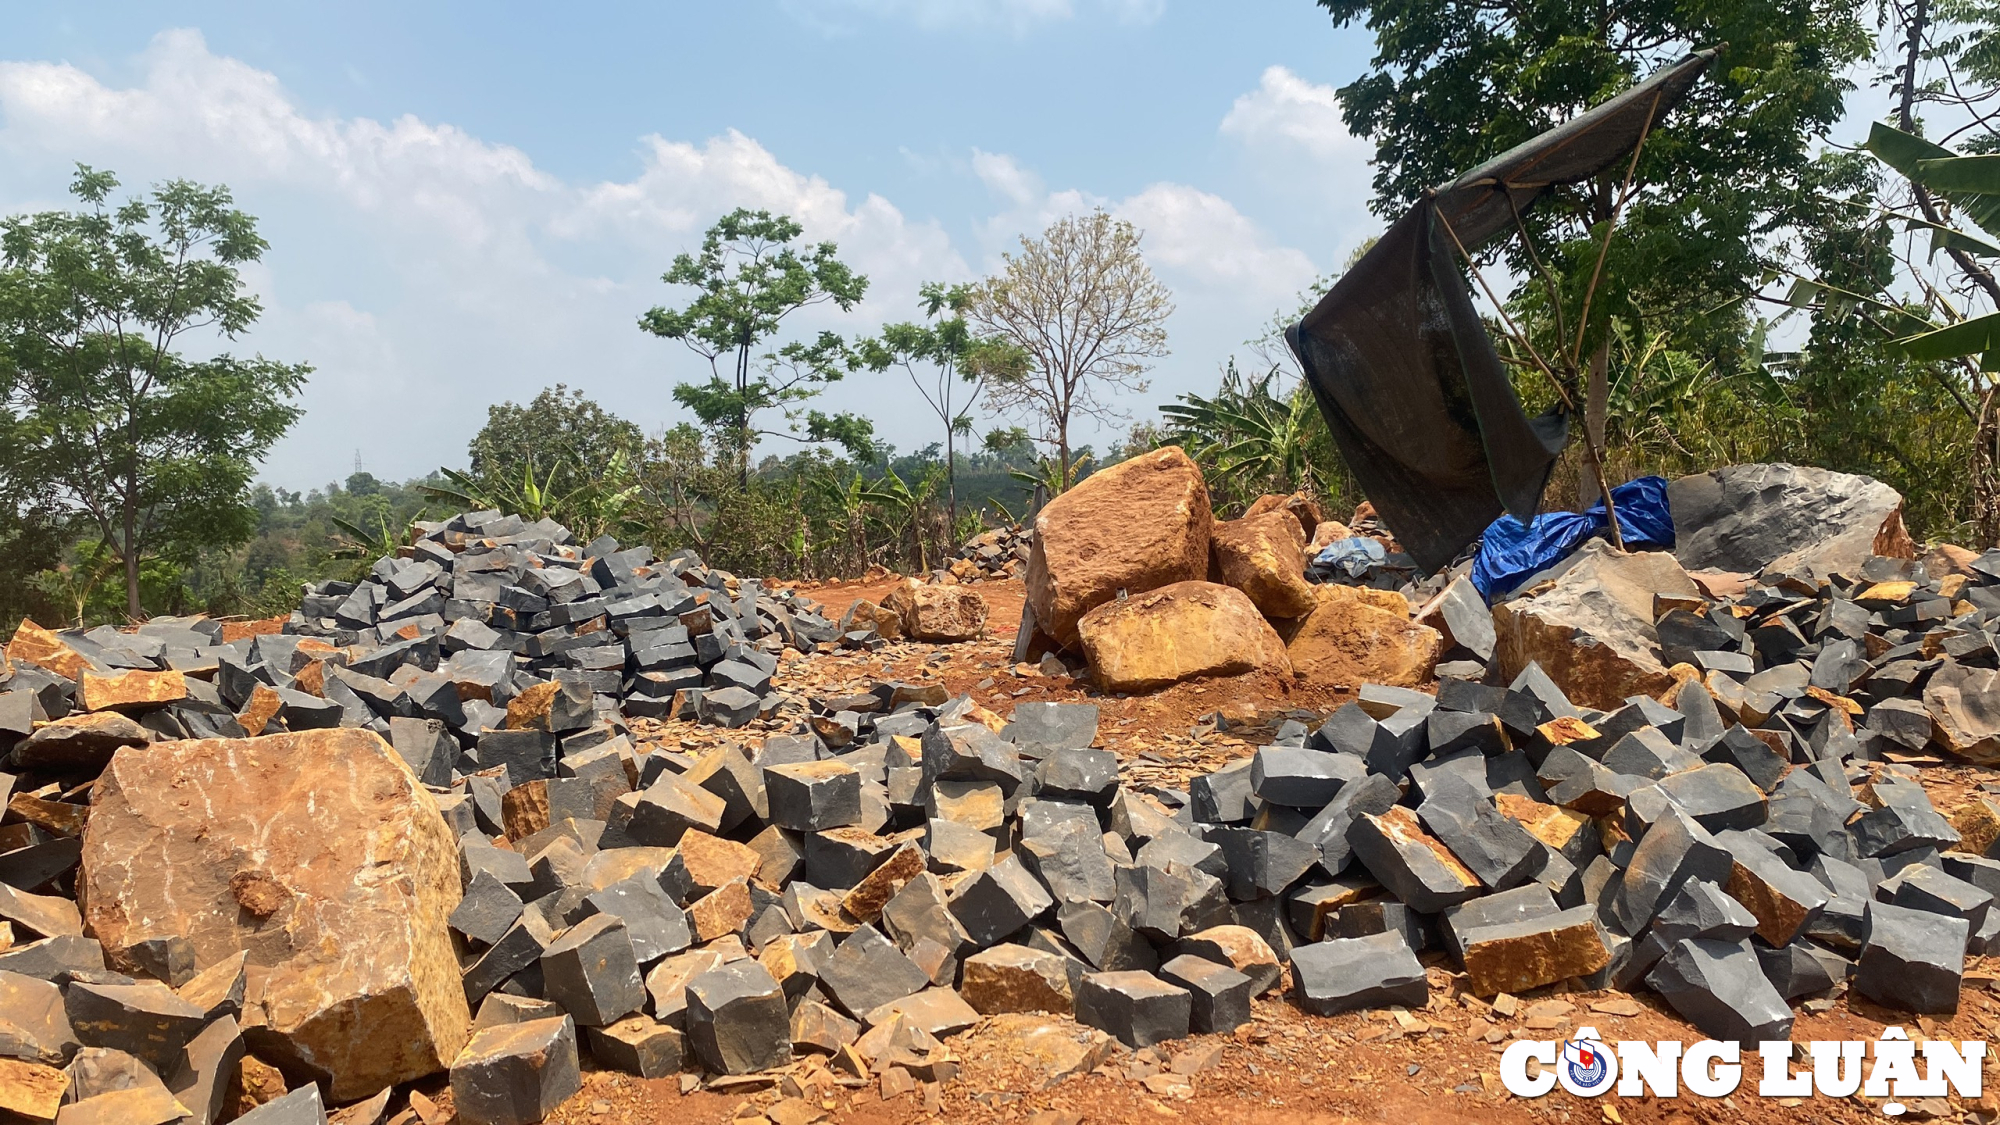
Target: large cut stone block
(319, 855)
(1136, 526)
(1178, 632)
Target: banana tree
(588, 510)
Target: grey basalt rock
(516, 1074)
(1330, 977)
(737, 1021)
(1912, 960)
(1720, 988)
(1138, 1009)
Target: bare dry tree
(1084, 307)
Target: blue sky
(469, 202)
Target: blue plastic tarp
(1509, 553)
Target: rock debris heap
(1684, 782)
(490, 607)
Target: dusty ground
(1429, 1067)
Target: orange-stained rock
(131, 689)
(1592, 631)
(936, 613)
(1302, 508)
(863, 614)
(1551, 824)
(1016, 978)
(1179, 632)
(318, 854)
(1517, 956)
(264, 704)
(1947, 559)
(529, 709)
(1356, 636)
(873, 892)
(524, 809)
(37, 645)
(1325, 535)
(1977, 822)
(31, 1090)
(1137, 526)
(1264, 556)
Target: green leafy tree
(948, 364)
(565, 434)
(1717, 184)
(106, 419)
(751, 274)
(1085, 310)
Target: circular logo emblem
(1587, 1067)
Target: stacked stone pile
(1690, 782)
(992, 555)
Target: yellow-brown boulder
(1264, 556)
(1137, 526)
(1357, 635)
(319, 855)
(1178, 632)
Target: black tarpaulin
(1411, 387)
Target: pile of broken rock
(1692, 781)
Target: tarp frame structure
(1399, 360)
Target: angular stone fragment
(1673, 851)
(654, 924)
(1518, 956)
(319, 854)
(638, 1045)
(1414, 865)
(1185, 631)
(1219, 995)
(1497, 850)
(737, 1020)
(991, 904)
(1041, 729)
(1784, 901)
(488, 909)
(83, 743)
(817, 1027)
(516, 1074)
(34, 1024)
(139, 1105)
(1803, 968)
(1718, 797)
(1965, 718)
(1139, 525)
(1912, 960)
(1138, 1009)
(1593, 632)
(1016, 978)
(813, 796)
(145, 1019)
(867, 971)
(206, 1070)
(1330, 977)
(1300, 778)
(130, 690)
(1720, 988)
(591, 971)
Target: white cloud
(1288, 112)
(461, 273)
(426, 272)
